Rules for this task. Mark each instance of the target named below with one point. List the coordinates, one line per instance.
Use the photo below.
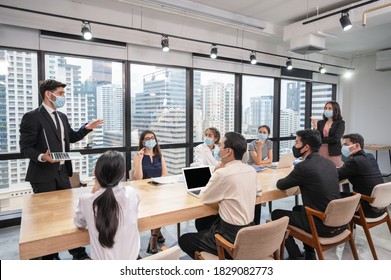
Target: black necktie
(57, 124)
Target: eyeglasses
(149, 138)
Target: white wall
(366, 105)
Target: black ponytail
(109, 171)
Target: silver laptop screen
(197, 177)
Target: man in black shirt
(362, 171)
(317, 178)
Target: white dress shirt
(234, 187)
(203, 155)
(127, 238)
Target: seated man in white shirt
(234, 186)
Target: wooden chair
(172, 253)
(260, 242)
(339, 212)
(75, 180)
(380, 198)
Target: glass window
(257, 104)
(213, 102)
(95, 88)
(321, 94)
(292, 111)
(158, 103)
(12, 173)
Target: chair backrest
(75, 180)
(131, 174)
(260, 241)
(339, 212)
(245, 157)
(382, 195)
(172, 253)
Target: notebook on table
(286, 160)
(196, 178)
(62, 155)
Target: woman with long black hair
(110, 212)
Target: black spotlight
(86, 30)
(345, 21)
(322, 69)
(213, 51)
(289, 65)
(165, 44)
(253, 58)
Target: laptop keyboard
(197, 192)
(60, 156)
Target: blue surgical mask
(150, 144)
(59, 102)
(261, 136)
(328, 114)
(208, 141)
(345, 150)
(216, 152)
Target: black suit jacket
(364, 174)
(32, 143)
(317, 178)
(336, 132)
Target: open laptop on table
(196, 178)
(286, 160)
(61, 155)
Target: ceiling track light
(165, 43)
(345, 21)
(86, 30)
(213, 51)
(322, 69)
(253, 58)
(289, 65)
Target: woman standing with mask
(204, 153)
(148, 163)
(331, 129)
(261, 149)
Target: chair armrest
(221, 244)
(368, 198)
(316, 213)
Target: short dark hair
(310, 137)
(355, 138)
(336, 111)
(50, 85)
(236, 142)
(215, 132)
(265, 126)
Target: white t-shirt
(127, 238)
(203, 155)
(234, 187)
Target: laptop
(61, 155)
(286, 160)
(196, 178)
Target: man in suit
(317, 179)
(362, 171)
(44, 173)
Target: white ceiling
(281, 13)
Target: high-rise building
(261, 112)
(18, 91)
(102, 71)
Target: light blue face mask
(345, 150)
(150, 144)
(261, 136)
(328, 114)
(59, 102)
(216, 152)
(208, 141)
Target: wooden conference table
(47, 218)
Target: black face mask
(296, 151)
